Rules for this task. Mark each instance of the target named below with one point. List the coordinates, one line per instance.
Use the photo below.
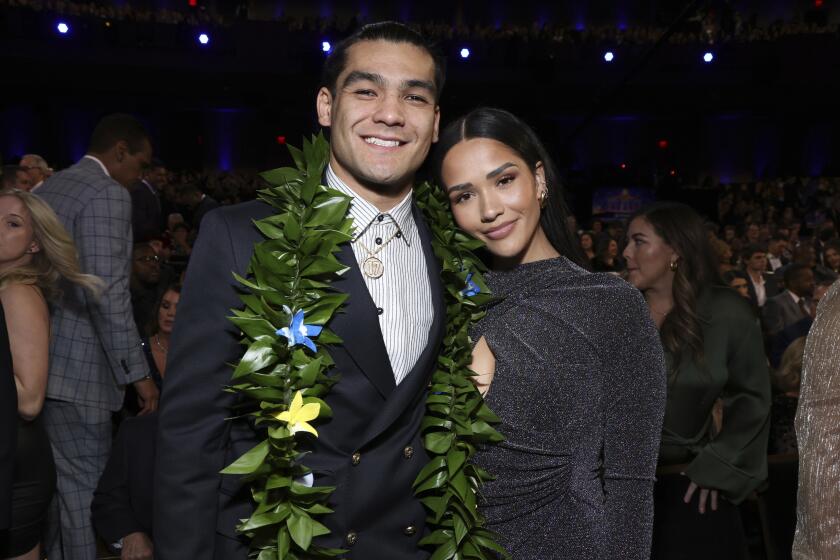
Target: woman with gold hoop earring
(581, 410)
(708, 464)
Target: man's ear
(323, 106)
(437, 124)
(121, 150)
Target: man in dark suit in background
(122, 502)
(792, 305)
(95, 349)
(190, 196)
(762, 285)
(379, 97)
(146, 219)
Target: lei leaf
(288, 304)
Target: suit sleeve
(111, 509)
(771, 317)
(192, 428)
(735, 462)
(634, 408)
(104, 243)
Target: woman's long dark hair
(684, 231)
(504, 127)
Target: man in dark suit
(122, 503)
(761, 285)
(792, 305)
(146, 219)
(379, 97)
(198, 203)
(95, 350)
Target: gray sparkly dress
(580, 389)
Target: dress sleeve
(735, 461)
(818, 434)
(634, 407)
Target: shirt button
(356, 458)
(399, 234)
(410, 530)
(378, 241)
(380, 217)
(408, 452)
(351, 538)
(379, 311)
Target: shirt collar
(364, 212)
(795, 297)
(102, 165)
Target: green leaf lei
(290, 272)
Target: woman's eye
(463, 197)
(504, 180)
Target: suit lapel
(407, 391)
(358, 326)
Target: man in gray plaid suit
(95, 348)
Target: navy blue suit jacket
(374, 421)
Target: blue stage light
(203, 38)
(465, 53)
(326, 46)
(62, 28)
(609, 56)
(708, 57)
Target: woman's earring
(543, 198)
(674, 266)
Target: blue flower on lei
(298, 333)
(472, 288)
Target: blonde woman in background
(36, 254)
(818, 436)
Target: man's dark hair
(188, 189)
(751, 249)
(794, 271)
(8, 176)
(113, 128)
(390, 31)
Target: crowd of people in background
(706, 26)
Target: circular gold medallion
(373, 267)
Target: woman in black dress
(35, 254)
(569, 360)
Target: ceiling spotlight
(62, 28)
(465, 53)
(326, 46)
(708, 57)
(609, 56)
(204, 38)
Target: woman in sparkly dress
(569, 360)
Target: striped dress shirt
(402, 295)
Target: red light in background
(818, 3)
(623, 166)
(663, 144)
(281, 140)
(673, 173)
(192, 3)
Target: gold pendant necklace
(372, 266)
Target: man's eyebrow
(424, 84)
(359, 76)
(500, 169)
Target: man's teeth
(380, 142)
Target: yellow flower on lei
(299, 415)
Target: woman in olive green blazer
(714, 349)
